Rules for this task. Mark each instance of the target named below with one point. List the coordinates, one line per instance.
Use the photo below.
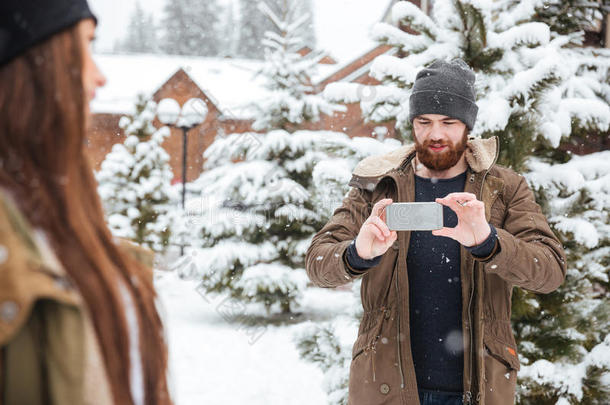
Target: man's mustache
(439, 143)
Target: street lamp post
(192, 114)
(184, 157)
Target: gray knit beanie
(445, 88)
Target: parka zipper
(399, 303)
(468, 394)
(402, 377)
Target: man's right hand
(375, 238)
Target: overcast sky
(113, 16)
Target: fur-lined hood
(481, 154)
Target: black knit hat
(24, 23)
(445, 88)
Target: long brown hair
(44, 166)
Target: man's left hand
(472, 228)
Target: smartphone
(415, 216)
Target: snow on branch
(391, 35)
(391, 67)
(583, 184)
(409, 14)
(529, 34)
(516, 12)
(590, 112)
(528, 83)
(569, 380)
(266, 10)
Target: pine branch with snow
(567, 16)
(329, 345)
(319, 345)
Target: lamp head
(168, 111)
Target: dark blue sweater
(435, 292)
(435, 295)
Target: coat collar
(481, 154)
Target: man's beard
(439, 161)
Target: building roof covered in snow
(230, 83)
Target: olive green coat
(49, 350)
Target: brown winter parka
(527, 255)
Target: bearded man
(436, 322)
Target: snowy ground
(217, 361)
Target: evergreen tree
(190, 27)
(535, 90)
(252, 27)
(257, 234)
(141, 33)
(288, 74)
(134, 181)
(254, 24)
(563, 337)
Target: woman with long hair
(78, 322)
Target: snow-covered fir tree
(262, 191)
(141, 34)
(288, 75)
(536, 89)
(563, 337)
(298, 8)
(134, 181)
(190, 27)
